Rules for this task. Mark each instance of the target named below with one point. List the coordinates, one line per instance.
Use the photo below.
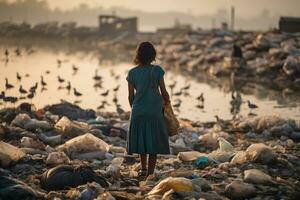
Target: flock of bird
(236, 99)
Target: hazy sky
(243, 7)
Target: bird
(76, 93)
(96, 76)
(186, 87)
(43, 83)
(2, 95)
(68, 87)
(8, 85)
(18, 51)
(119, 109)
(178, 93)
(115, 99)
(105, 93)
(172, 85)
(47, 71)
(75, 69)
(116, 88)
(19, 76)
(251, 105)
(201, 97)
(200, 106)
(177, 104)
(30, 95)
(33, 88)
(60, 80)
(22, 90)
(59, 62)
(6, 53)
(102, 106)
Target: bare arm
(163, 90)
(130, 94)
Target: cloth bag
(171, 121)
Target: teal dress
(147, 130)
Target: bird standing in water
(76, 93)
(251, 106)
(8, 85)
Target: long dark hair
(145, 54)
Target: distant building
(112, 24)
(289, 24)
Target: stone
(257, 177)
(239, 190)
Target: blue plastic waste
(202, 161)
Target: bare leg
(143, 158)
(151, 163)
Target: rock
(189, 155)
(56, 158)
(71, 111)
(64, 176)
(32, 143)
(9, 154)
(260, 153)
(239, 158)
(239, 190)
(83, 144)
(177, 184)
(70, 129)
(256, 176)
(295, 136)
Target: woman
(147, 131)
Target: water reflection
(45, 74)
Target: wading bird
(76, 93)
(8, 85)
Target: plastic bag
(84, 143)
(224, 145)
(178, 184)
(9, 154)
(189, 155)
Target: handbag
(171, 121)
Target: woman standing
(147, 131)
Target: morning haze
(255, 14)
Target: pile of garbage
(268, 57)
(71, 153)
